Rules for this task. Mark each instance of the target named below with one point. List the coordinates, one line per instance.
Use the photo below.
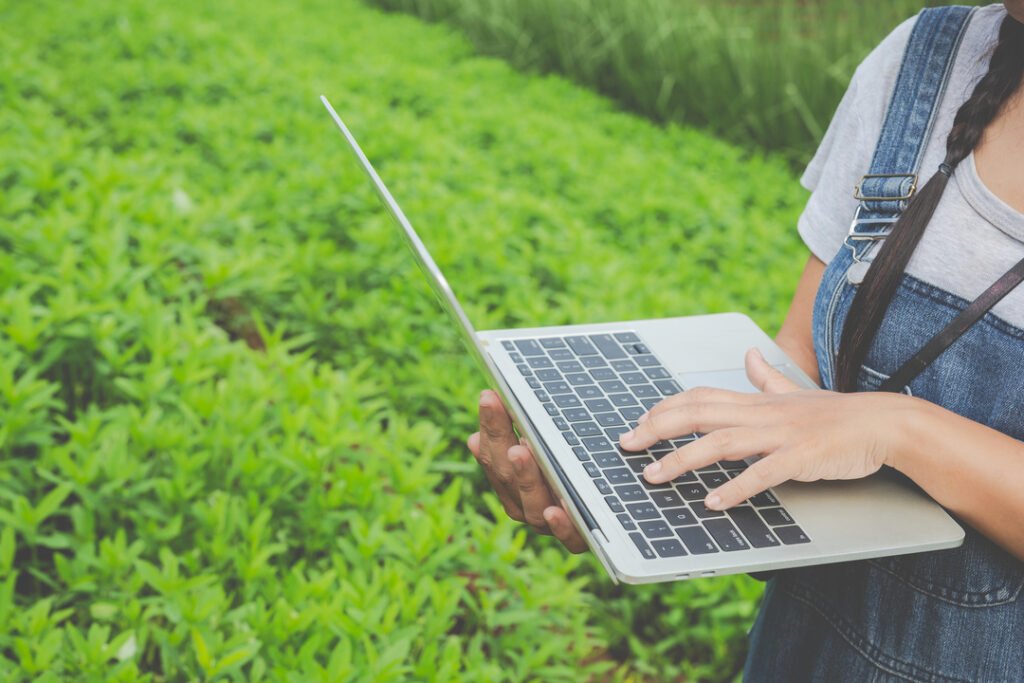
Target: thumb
(765, 377)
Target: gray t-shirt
(974, 237)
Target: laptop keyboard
(594, 387)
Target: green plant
(765, 73)
(231, 415)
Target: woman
(957, 429)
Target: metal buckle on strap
(852, 234)
(910, 193)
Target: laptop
(572, 390)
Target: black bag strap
(955, 329)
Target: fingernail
(549, 514)
(482, 394)
(713, 502)
(642, 417)
(652, 469)
(627, 436)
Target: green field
(232, 417)
(757, 72)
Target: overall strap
(892, 178)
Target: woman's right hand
(516, 478)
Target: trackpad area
(733, 380)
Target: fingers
(763, 474)
(534, 494)
(765, 377)
(725, 444)
(689, 418)
(564, 530)
(700, 395)
(490, 447)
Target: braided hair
(882, 279)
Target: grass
(765, 73)
(231, 415)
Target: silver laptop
(571, 390)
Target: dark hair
(883, 277)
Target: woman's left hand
(802, 434)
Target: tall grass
(761, 72)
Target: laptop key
(668, 387)
(542, 396)
(666, 499)
(549, 375)
(603, 486)
(581, 453)
(557, 388)
(592, 469)
(703, 512)
(656, 529)
(603, 374)
(581, 346)
(646, 361)
(627, 523)
(614, 504)
(753, 528)
(593, 362)
(609, 419)
(726, 535)
(551, 409)
(624, 365)
(791, 535)
(588, 391)
(645, 391)
(631, 493)
(578, 378)
(679, 516)
(650, 402)
(696, 540)
(605, 460)
(657, 373)
(626, 337)
(714, 479)
(599, 405)
(634, 378)
(529, 347)
(643, 511)
(597, 443)
(561, 424)
(632, 413)
(638, 464)
(567, 401)
(537, 362)
(619, 475)
(642, 546)
(776, 516)
(668, 547)
(765, 499)
(615, 432)
(507, 345)
(621, 400)
(524, 370)
(561, 354)
(516, 358)
(576, 414)
(610, 348)
(692, 491)
(552, 343)
(734, 464)
(685, 478)
(570, 366)
(586, 429)
(571, 438)
(612, 387)
(533, 382)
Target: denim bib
(951, 615)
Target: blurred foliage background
(232, 418)
(765, 73)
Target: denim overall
(951, 615)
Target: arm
(794, 336)
(974, 471)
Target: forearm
(972, 470)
